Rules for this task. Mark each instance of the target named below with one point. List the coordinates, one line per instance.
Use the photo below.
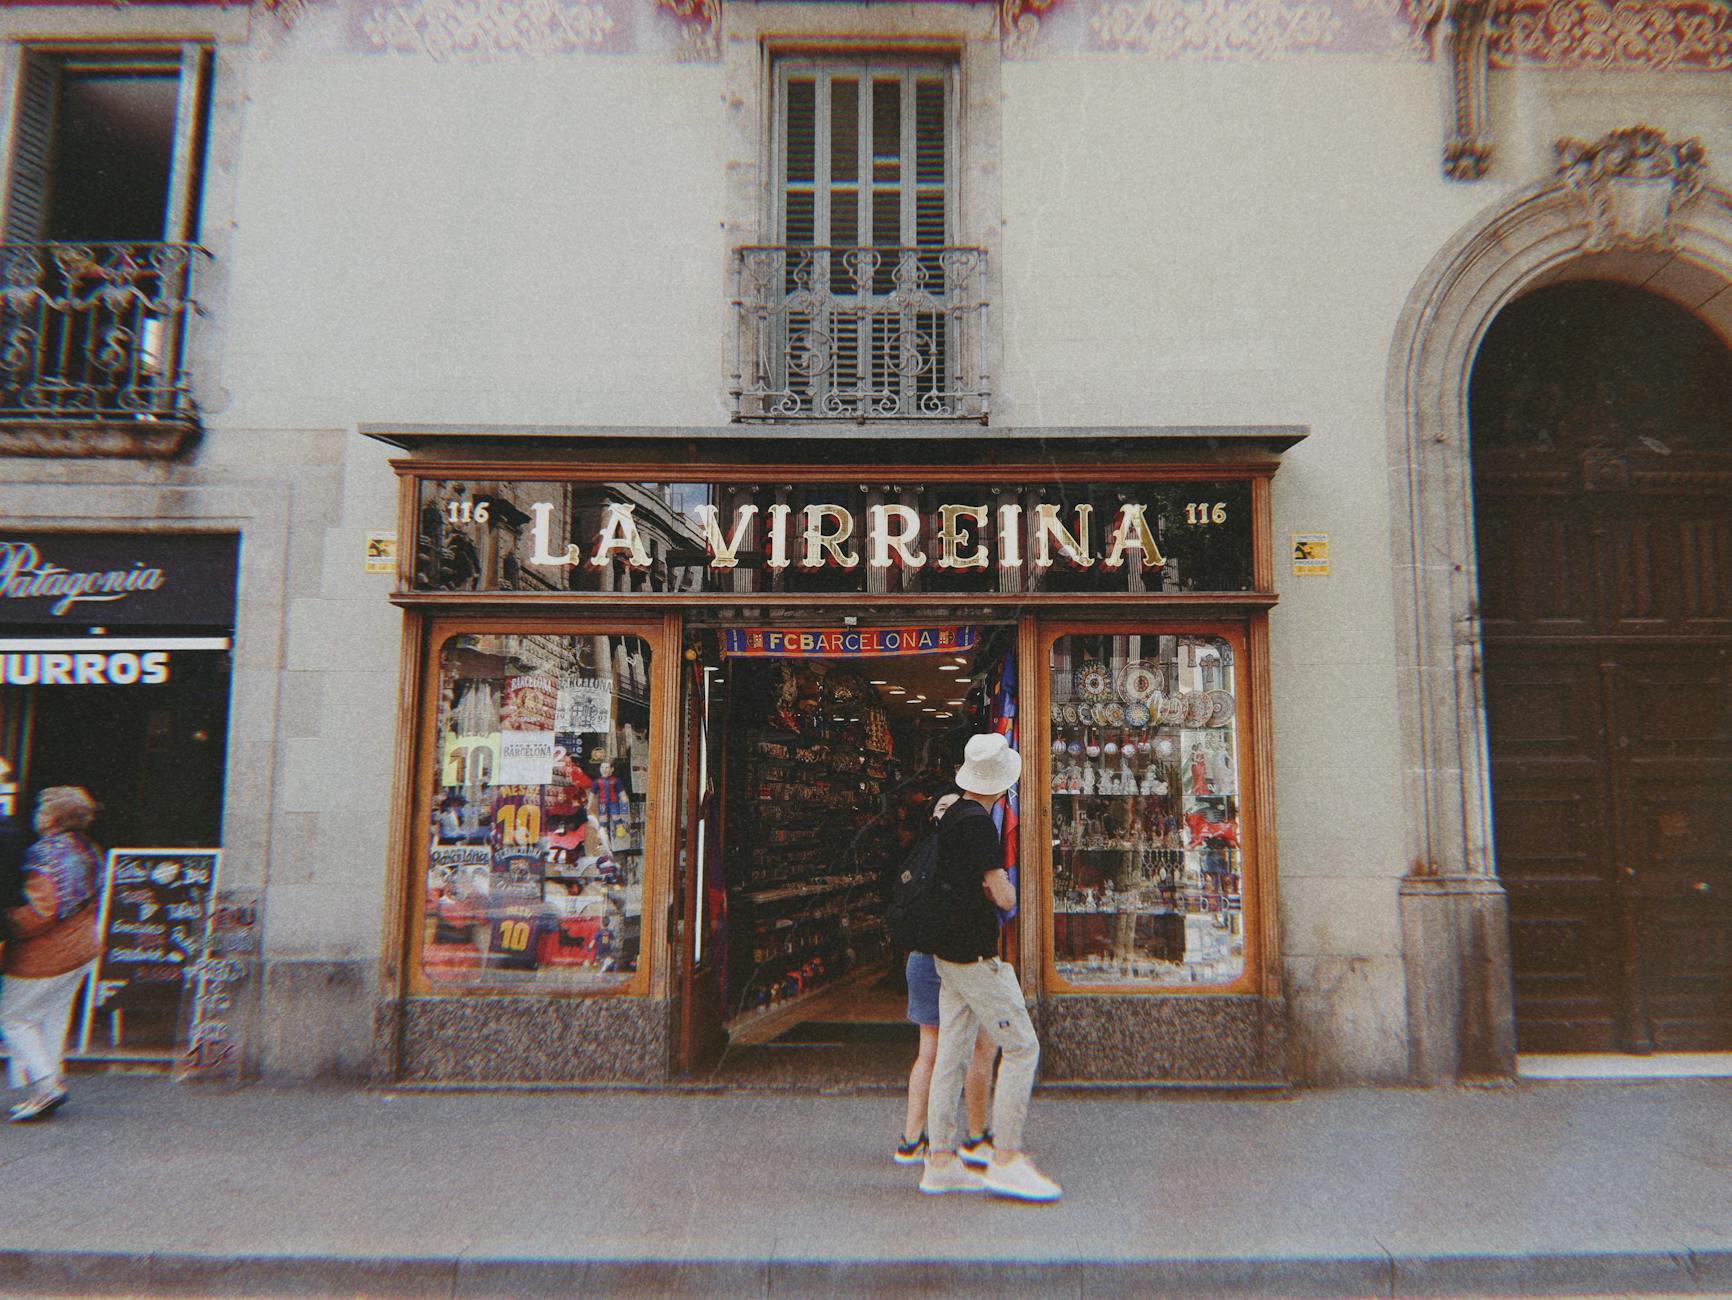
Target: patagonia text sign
(118, 579)
(844, 642)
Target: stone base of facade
(1460, 1003)
(528, 1040)
(1163, 1038)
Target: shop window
(101, 214)
(1148, 854)
(538, 804)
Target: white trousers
(34, 1015)
(973, 996)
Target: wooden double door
(1605, 565)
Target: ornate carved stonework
(1663, 35)
(1464, 30)
(1633, 182)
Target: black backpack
(921, 906)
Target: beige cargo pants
(971, 996)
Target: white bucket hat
(989, 765)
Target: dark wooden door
(1602, 427)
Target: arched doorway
(1600, 420)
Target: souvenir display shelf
(807, 851)
(1145, 812)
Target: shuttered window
(107, 146)
(865, 154)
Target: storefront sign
(683, 537)
(155, 912)
(118, 578)
(844, 642)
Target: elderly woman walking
(51, 945)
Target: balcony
(860, 334)
(91, 349)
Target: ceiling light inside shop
(955, 704)
(879, 681)
(943, 714)
(948, 668)
(963, 660)
(897, 690)
(929, 709)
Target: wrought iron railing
(860, 334)
(94, 333)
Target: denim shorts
(922, 990)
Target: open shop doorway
(822, 768)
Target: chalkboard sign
(156, 912)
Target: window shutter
(32, 149)
(180, 221)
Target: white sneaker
(1019, 1179)
(951, 1176)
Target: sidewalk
(145, 1187)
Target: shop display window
(539, 776)
(1146, 810)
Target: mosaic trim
(1656, 35)
(487, 29)
(1231, 31)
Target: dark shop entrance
(821, 772)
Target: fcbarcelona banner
(846, 642)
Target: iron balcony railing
(860, 334)
(93, 333)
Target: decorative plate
(1138, 681)
(1112, 714)
(1085, 714)
(1093, 682)
(1138, 715)
(1070, 715)
(1173, 710)
(1196, 708)
(1220, 708)
(1058, 715)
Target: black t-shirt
(968, 848)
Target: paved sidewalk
(145, 1187)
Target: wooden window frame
(406, 941)
(1257, 886)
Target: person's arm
(999, 889)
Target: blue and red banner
(845, 642)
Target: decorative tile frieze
(487, 29)
(1660, 35)
(1632, 183)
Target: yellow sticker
(381, 553)
(1311, 555)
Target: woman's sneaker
(1020, 1180)
(976, 1152)
(911, 1153)
(951, 1176)
(39, 1106)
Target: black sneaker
(976, 1152)
(911, 1153)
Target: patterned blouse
(70, 863)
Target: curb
(47, 1272)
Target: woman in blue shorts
(976, 1150)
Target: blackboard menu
(155, 914)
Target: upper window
(864, 306)
(865, 155)
(106, 147)
(97, 256)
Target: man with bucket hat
(977, 990)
